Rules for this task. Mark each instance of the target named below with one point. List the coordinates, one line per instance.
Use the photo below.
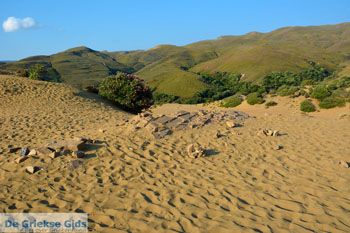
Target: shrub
(231, 102)
(255, 98)
(342, 94)
(343, 82)
(127, 91)
(37, 72)
(307, 106)
(320, 92)
(331, 102)
(162, 98)
(270, 104)
(286, 91)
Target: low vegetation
(127, 91)
(307, 106)
(255, 98)
(332, 102)
(231, 102)
(37, 72)
(270, 104)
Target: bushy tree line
(129, 92)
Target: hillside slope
(79, 66)
(174, 69)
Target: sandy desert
(130, 181)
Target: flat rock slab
(163, 125)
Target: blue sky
(47, 26)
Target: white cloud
(12, 24)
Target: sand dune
(134, 183)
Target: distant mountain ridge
(173, 69)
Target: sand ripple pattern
(138, 184)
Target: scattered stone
(344, 164)
(268, 132)
(166, 124)
(14, 149)
(32, 152)
(278, 147)
(145, 114)
(64, 152)
(74, 144)
(21, 159)
(162, 133)
(218, 134)
(24, 151)
(231, 124)
(195, 151)
(32, 170)
(44, 151)
(54, 154)
(79, 154)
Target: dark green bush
(231, 102)
(332, 102)
(270, 104)
(307, 106)
(255, 98)
(320, 92)
(127, 91)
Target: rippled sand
(134, 183)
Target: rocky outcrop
(163, 125)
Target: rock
(145, 114)
(14, 149)
(32, 152)
(195, 151)
(55, 146)
(218, 134)
(74, 145)
(54, 154)
(83, 139)
(268, 132)
(344, 164)
(44, 151)
(21, 159)
(278, 147)
(32, 169)
(64, 152)
(24, 151)
(78, 154)
(162, 133)
(231, 124)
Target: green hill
(79, 66)
(174, 69)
